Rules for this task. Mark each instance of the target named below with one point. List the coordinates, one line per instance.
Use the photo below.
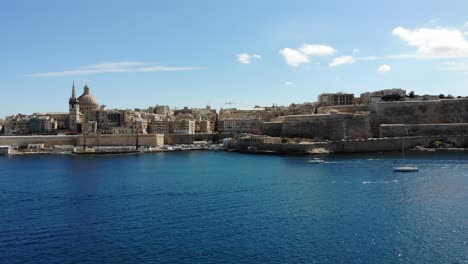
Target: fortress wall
(400, 130)
(149, 140)
(358, 127)
(272, 129)
(342, 109)
(173, 139)
(354, 146)
(394, 144)
(335, 126)
(48, 141)
(425, 112)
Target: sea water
(221, 207)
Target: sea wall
(48, 141)
(402, 130)
(173, 139)
(149, 140)
(349, 146)
(328, 127)
(394, 144)
(278, 148)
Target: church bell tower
(73, 111)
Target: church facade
(81, 109)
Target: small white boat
(407, 168)
(404, 168)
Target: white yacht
(405, 168)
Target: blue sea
(221, 207)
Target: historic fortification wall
(151, 140)
(342, 109)
(48, 141)
(189, 138)
(394, 144)
(402, 130)
(272, 129)
(334, 126)
(425, 112)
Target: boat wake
(379, 182)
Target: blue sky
(193, 53)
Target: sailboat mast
(403, 143)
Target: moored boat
(407, 168)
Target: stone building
(16, 125)
(203, 126)
(253, 126)
(162, 110)
(62, 119)
(160, 127)
(329, 99)
(89, 127)
(395, 94)
(26, 125)
(41, 125)
(184, 127)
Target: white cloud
(108, 65)
(288, 83)
(113, 67)
(342, 60)
(456, 66)
(317, 50)
(246, 58)
(384, 68)
(296, 57)
(433, 42)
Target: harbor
(208, 203)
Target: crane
(230, 103)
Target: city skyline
(194, 54)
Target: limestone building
(329, 99)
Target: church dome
(87, 101)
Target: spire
(73, 99)
(73, 91)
